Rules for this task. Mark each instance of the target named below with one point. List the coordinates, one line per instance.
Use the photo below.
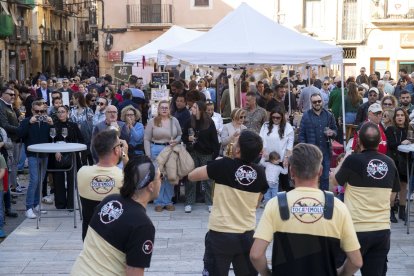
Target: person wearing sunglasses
(105, 178)
(35, 130)
(101, 105)
(120, 232)
(362, 112)
(318, 127)
(9, 121)
(110, 96)
(231, 131)
(278, 135)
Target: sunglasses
(10, 94)
(242, 117)
(277, 117)
(119, 145)
(93, 100)
(326, 84)
(387, 104)
(378, 113)
(39, 111)
(317, 102)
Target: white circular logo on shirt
(307, 210)
(245, 175)
(147, 247)
(102, 184)
(377, 169)
(111, 211)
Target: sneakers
(170, 207)
(17, 191)
(187, 209)
(209, 208)
(158, 208)
(48, 199)
(37, 208)
(30, 214)
(2, 234)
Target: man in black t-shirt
(372, 182)
(120, 232)
(239, 187)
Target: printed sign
(122, 72)
(159, 94)
(160, 78)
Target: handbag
(65, 161)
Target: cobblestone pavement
(179, 244)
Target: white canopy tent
(175, 36)
(246, 37)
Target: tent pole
(343, 106)
(231, 89)
(288, 94)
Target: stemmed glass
(64, 133)
(52, 133)
(191, 133)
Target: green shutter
(6, 23)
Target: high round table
(61, 147)
(407, 149)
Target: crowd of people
(125, 144)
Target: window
(201, 3)
(313, 14)
(350, 22)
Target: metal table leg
(410, 190)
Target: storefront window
(407, 65)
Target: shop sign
(115, 56)
(407, 40)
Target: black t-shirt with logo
(237, 189)
(124, 224)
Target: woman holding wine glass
(231, 131)
(69, 132)
(397, 135)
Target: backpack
(284, 207)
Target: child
(273, 170)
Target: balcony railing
(383, 12)
(149, 15)
(20, 34)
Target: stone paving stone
(178, 248)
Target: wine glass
(191, 133)
(64, 133)
(52, 133)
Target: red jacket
(382, 148)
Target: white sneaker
(209, 208)
(187, 209)
(48, 199)
(30, 214)
(37, 208)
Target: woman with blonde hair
(231, 131)
(132, 131)
(389, 102)
(160, 132)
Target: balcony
(384, 12)
(149, 16)
(20, 35)
(26, 3)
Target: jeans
(350, 117)
(33, 197)
(1, 210)
(22, 160)
(326, 163)
(166, 190)
(13, 166)
(375, 246)
(271, 193)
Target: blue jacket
(36, 133)
(312, 129)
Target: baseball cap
(375, 107)
(337, 79)
(374, 89)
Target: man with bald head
(43, 91)
(110, 122)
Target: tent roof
(245, 36)
(175, 36)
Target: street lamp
(42, 31)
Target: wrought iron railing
(149, 14)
